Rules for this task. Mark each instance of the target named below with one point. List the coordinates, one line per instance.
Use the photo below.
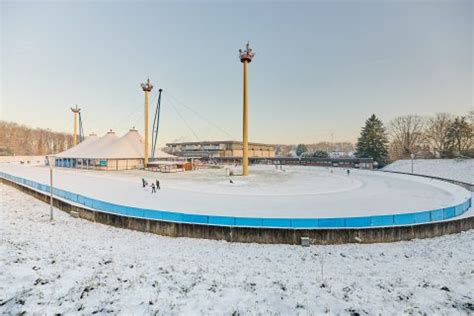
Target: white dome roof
(128, 146)
(109, 146)
(73, 151)
(91, 150)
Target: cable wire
(185, 122)
(199, 115)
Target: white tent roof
(91, 150)
(128, 146)
(161, 154)
(87, 150)
(109, 146)
(73, 151)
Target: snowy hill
(454, 169)
(98, 269)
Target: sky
(321, 67)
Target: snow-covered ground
(454, 169)
(76, 266)
(302, 192)
(23, 159)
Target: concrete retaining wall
(259, 235)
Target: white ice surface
(297, 192)
(454, 169)
(74, 266)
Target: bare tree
(470, 118)
(461, 136)
(436, 134)
(18, 139)
(406, 134)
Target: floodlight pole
(245, 58)
(412, 158)
(75, 110)
(147, 87)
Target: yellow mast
(75, 110)
(147, 87)
(245, 57)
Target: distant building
(337, 154)
(219, 149)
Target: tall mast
(245, 57)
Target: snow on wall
(453, 169)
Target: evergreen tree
(320, 154)
(373, 141)
(460, 136)
(301, 149)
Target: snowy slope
(75, 266)
(454, 169)
(25, 159)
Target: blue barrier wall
(295, 223)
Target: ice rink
(295, 192)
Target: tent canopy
(109, 146)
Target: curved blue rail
(294, 223)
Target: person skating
(153, 188)
(348, 172)
(158, 184)
(143, 182)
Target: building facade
(219, 149)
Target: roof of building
(170, 163)
(128, 146)
(109, 146)
(92, 148)
(217, 143)
(79, 147)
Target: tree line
(440, 136)
(320, 149)
(20, 140)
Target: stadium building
(219, 149)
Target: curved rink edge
(373, 221)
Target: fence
(287, 223)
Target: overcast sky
(320, 68)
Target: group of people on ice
(154, 185)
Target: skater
(153, 188)
(143, 182)
(230, 180)
(158, 184)
(348, 172)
